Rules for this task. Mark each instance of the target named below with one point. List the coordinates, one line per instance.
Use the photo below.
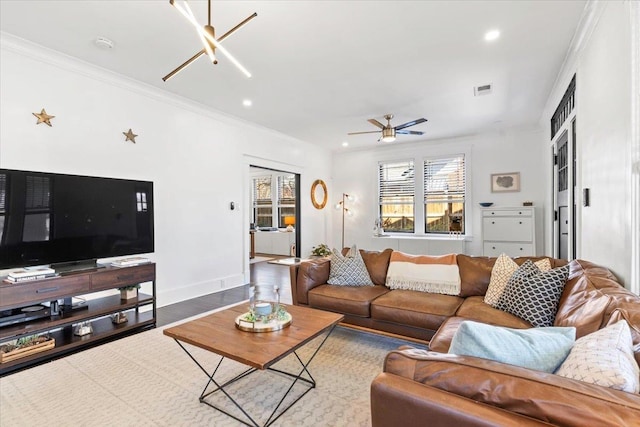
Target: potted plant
(128, 292)
(320, 251)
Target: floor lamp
(345, 211)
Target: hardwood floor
(261, 273)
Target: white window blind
(262, 204)
(444, 194)
(396, 183)
(286, 197)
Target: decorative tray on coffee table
(250, 323)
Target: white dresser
(275, 242)
(509, 230)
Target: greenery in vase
(321, 250)
(280, 314)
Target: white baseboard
(194, 290)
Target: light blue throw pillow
(542, 349)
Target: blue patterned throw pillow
(348, 270)
(533, 295)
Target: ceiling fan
(389, 132)
(208, 37)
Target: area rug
(147, 380)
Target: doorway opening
(275, 220)
(563, 136)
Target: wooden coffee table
(217, 333)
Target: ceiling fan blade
(409, 132)
(376, 123)
(411, 123)
(360, 133)
(181, 66)
(228, 33)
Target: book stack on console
(128, 262)
(31, 273)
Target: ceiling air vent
(482, 90)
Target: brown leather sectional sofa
(433, 388)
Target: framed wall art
(505, 182)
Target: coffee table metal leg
(272, 418)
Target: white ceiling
(322, 68)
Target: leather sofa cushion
(475, 274)
(474, 308)
(543, 396)
(583, 303)
(414, 308)
(310, 274)
(377, 263)
(354, 300)
(441, 341)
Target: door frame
(248, 162)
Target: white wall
(514, 150)
(602, 64)
(198, 159)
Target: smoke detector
(103, 43)
(482, 90)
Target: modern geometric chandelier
(208, 37)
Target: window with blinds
(286, 198)
(444, 194)
(262, 204)
(396, 186)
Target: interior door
(565, 177)
(562, 195)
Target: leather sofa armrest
(535, 394)
(306, 276)
(398, 401)
(441, 341)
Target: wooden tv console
(98, 310)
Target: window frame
(398, 164)
(419, 157)
(435, 194)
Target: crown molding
(22, 47)
(589, 19)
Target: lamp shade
(289, 220)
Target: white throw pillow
(502, 271)
(605, 358)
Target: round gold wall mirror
(319, 192)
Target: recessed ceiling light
(345, 144)
(247, 103)
(491, 35)
(103, 43)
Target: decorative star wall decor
(43, 117)
(130, 136)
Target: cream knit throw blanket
(434, 274)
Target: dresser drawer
(508, 229)
(494, 249)
(508, 212)
(19, 294)
(124, 276)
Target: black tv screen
(49, 218)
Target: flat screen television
(51, 218)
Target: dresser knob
(520, 222)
